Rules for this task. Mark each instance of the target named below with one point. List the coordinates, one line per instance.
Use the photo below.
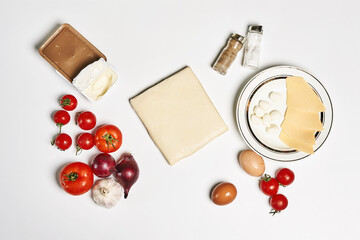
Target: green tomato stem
(71, 176)
(109, 140)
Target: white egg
(265, 105)
(275, 97)
(259, 111)
(275, 115)
(266, 119)
(272, 129)
(255, 119)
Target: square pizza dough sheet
(178, 115)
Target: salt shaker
(228, 54)
(252, 47)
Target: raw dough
(179, 115)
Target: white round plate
(258, 88)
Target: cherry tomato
(285, 176)
(86, 120)
(68, 102)
(108, 138)
(62, 141)
(76, 178)
(61, 118)
(278, 202)
(85, 141)
(268, 185)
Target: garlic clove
(106, 192)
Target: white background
(147, 41)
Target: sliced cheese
(295, 144)
(303, 119)
(304, 135)
(178, 115)
(302, 96)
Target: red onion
(127, 172)
(103, 165)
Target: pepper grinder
(228, 54)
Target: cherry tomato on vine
(84, 142)
(108, 138)
(86, 120)
(62, 141)
(76, 178)
(61, 118)
(285, 176)
(68, 102)
(268, 185)
(278, 202)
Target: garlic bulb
(106, 192)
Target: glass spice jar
(228, 54)
(252, 47)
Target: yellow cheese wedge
(301, 95)
(302, 119)
(302, 134)
(297, 145)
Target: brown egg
(224, 193)
(252, 163)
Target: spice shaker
(252, 47)
(228, 54)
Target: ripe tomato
(62, 141)
(68, 102)
(108, 138)
(285, 176)
(61, 118)
(268, 185)
(84, 141)
(278, 202)
(86, 120)
(76, 178)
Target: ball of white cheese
(265, 105)
(275, 97)
(259, 111)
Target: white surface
(147, 41)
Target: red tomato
(268, 185)
(68, 102)
(86, 120)
(108, 138)
(76, 178)
(278, 202)
(285, 176)
(61, 118)
(84, 141)
(62, 141)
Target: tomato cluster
(107, 138)
(270, 187)
(77, 178)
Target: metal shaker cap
(255, 28)
(238, 38)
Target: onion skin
(127, 172)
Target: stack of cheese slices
(302, 117)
